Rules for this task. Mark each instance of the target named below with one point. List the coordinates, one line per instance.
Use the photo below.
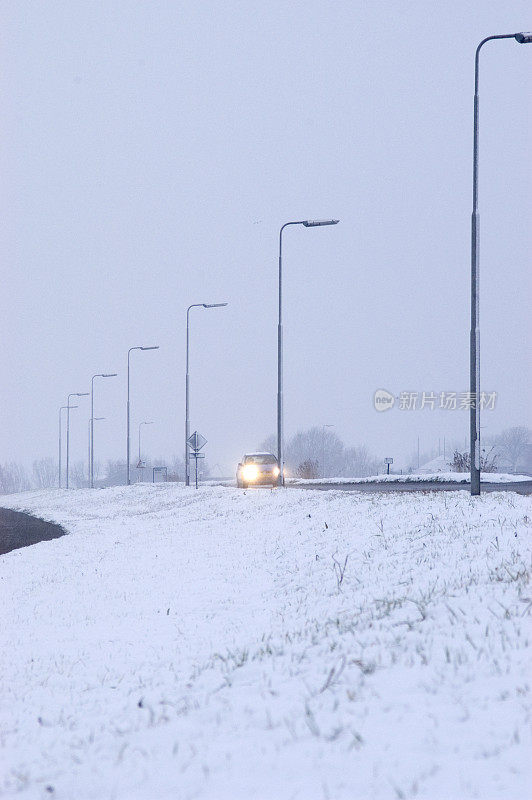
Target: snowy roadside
(217, 644)
(439, 477)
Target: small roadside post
(159, 471)
(196, 442)
(141, 465)
(388, 461)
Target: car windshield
(260, 458)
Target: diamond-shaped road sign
(196, 441)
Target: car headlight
(276, 471)
(250, 472)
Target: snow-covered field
(445, 477)
(268, 645)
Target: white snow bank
(445, 477)
(267, 644)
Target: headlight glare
(250, 472)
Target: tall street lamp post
(187, 386)
(308, 223)
(98, 375)
(128, 473)
(72, 394)
(474, 341)
(96, 419)
(60, 444)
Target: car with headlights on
(257, 469)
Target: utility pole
(60, 444)
(308, 223)
(474, 336)
(98, 375)
(128, 443)
(187, 384)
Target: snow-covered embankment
(288, 644)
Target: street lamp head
(314, 223)
(213, 305)
(156, 347)
(108, 374)
(523, 38)
(80, 394)
(70, 407)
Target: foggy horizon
(151, 155)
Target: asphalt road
(521, 487)
(20, 530)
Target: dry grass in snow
(286, 645)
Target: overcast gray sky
(151, 150)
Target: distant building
(438, 464)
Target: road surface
(521, 487)
(20, 530)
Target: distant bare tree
(308, 469)
(97, 470)
(78, 477)
(325, 451)
(176, 469)
(318, 445)
(462, 461)
(488, 459)
(203, 468)
(13, 478)
(358, 463)
(115, 472)
(513, 443)
(45, 473)
(269, 445)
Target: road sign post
(160, 470)
(196, 442)
(388, 461)
(141, 466)
(195, 456)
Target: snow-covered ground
(268, 645)
(445, 477)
